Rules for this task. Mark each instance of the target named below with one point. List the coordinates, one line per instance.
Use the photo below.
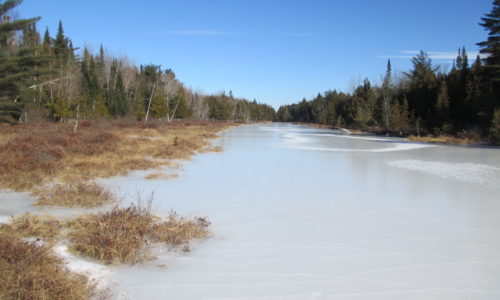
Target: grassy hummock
(74, 194)
(29, 225)
(32, 271)
(123, 235)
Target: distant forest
(464, 101)
(44, 78)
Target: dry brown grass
(445, 139)
(80, 194)
(179, 231)
(30, 225)
(32, 155)
(123, 235)
(31, 271)
(161, 176)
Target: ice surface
(98, 274)
(361, 221)
(468, 172)
(355, 220)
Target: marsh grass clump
(123, 235)
(29, 225)
(161, 176)
(112, 237)
(31, 271)
(71, 194)
(180, 231)
(445, 139)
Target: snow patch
(395, 147)
(98, 274)
(467, 172)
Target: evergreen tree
(159, 108)
(491, 69)
(491, 47)
(47, 43)
(495, 128)
(19, 64)
(443, 107)
(93, 97)
(31, 38)
(60, 43)
(117, 98)
(182, 110)
(423, 90)
(399, 117)
(386, 90)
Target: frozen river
(301, 213)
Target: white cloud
(435, 55)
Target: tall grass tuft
(30, 225)
(123, 235)
(31, 271)
(71, 194)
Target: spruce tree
(19, 64)
(47, 43)
(159, 107)
(117, 99)
(94, 100)
(491, 47)
(182, 110)
(423, 86)
(61, 46)
(495, 128)
(386, 90)
(442, 108)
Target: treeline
(465, 100)
(48, 78)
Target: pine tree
(495, 128)
(462, 60)
(181, 108)
(61, 46)
(386, 90)
(101, 70)
(423, 86)
(94, 100)
(399, 118)
(443, 101)
(19, 64)
(117, 99)
(491, 47)
(159, 107)
(442, 107)
(47, 43)
(31, 38)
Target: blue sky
(274, 51)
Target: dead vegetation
(71, 194)
(30, 225)
(161, 176)
(446, 139)
(123, 235)
(32, 155)
(32, 271)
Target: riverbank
(463, 139)
(56, 168)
